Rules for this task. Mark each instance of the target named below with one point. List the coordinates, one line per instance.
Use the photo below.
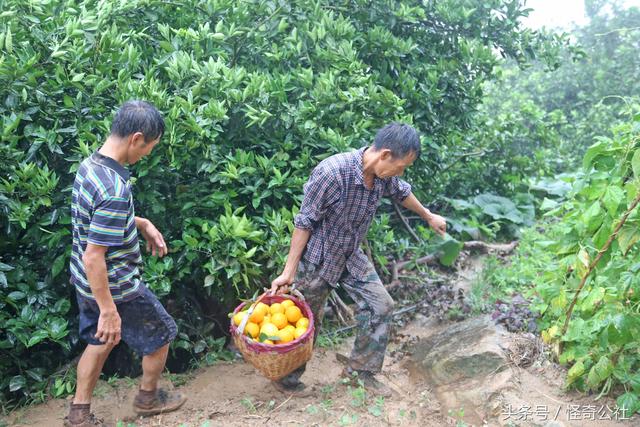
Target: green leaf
(599, 372)
(628, 403)
(449, 250)
(209, 280)
(575, 372)
(628, 235)
(37, 337)
(58, 265)
(635, 163)
(17, 383)
(613, 197)
(5, 267)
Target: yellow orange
(276, 308)
(256, 316)
(237, 318)
(279, 319)
(285, 336)
(287, 303)
(269, 329)
(291, 328)
(302, 323)
(298, 332)
(252, 329)
(264, 308)
(267, 342)
(293, 314)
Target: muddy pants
(373, 314)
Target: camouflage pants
(373, 314)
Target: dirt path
(233, 394)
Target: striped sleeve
(109, 222)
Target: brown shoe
(162, 402)
(89, 421)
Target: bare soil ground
(234, 394)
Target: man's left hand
(154, 239)
(438, 223)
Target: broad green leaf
(575, 372)
(628, 403)
(16, 383)
(449, 250)
(628, 236)
(613, 197)
(635, 163)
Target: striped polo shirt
(102, 214)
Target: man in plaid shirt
(340, 200)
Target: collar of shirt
(103, 160)
(358, 166)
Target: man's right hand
(108, 331)
(280, 284)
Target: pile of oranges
(278, 323)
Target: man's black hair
(138, 116)
(400, 138)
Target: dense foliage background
(255, 93)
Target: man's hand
(108, 330)
(154, 239)
(280, 284)
(438, 223)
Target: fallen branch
(595, 261)
(405, 222)
(395, 313)
(342, 311)
(476, 245)
(471, 245)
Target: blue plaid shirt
(338, 209)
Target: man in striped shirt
(113, 301)
(340, 200)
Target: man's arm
(154, 239)
(95, 266)
(299, 240)
(438, 223)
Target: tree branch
(405, 222)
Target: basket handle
(244, 322)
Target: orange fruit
(302, 323)
(264, 308)
(293, 314)
(290, 328)
(276, 308)
(269, 329)
(287, 303)
(237, 318)
(298, 332)
(256, 316)
(252, 329)
(285, 336)
(280, 320)
(267, 342)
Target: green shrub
(254, 94)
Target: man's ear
(136, 138)
(386, 154)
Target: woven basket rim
(280, 348)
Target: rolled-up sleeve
(397, 189)
(320, 192)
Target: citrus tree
(254, 93)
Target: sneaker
(89, 421)
(164, 401)
(368, 380)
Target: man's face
(389, 166)
(138, 148)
